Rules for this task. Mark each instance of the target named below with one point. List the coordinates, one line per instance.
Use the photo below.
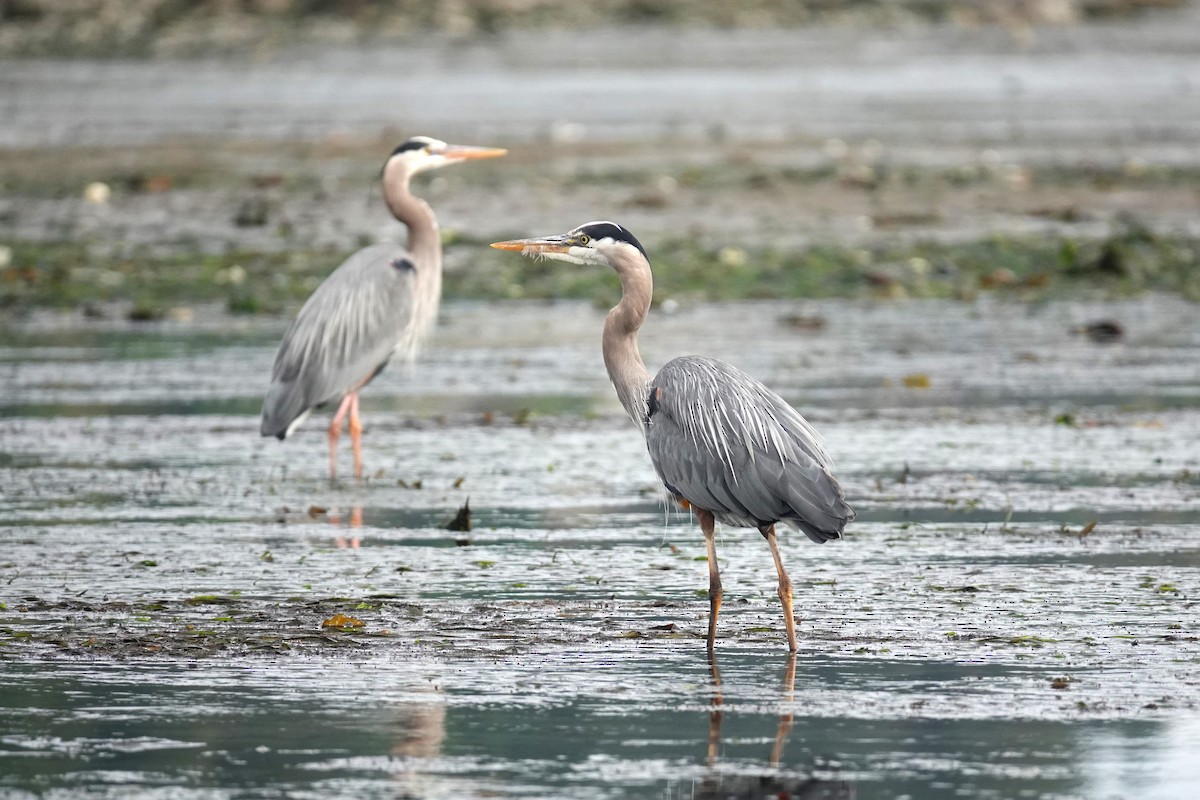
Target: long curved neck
(626, 369)
(424, 243)
(424, 239)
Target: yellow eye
(584, 238)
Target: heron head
(423, 152)
(598, 243)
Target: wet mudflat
(172, 583)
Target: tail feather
(813, 503)
(283, 410)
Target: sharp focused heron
(723, 444)
(377, 305)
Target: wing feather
(728, 444)
(344, 335)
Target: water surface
(167, 573)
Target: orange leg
(356, 435)
(335, 430)
(708, 524)
(785, 589)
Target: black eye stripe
(611, 230)
(411, 144)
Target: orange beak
(462, 152)
(532, 247)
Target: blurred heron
(377, 305)
(723, 444)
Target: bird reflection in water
(763, 785)
(354, 521)
(421, 731)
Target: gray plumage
(380, 303)
(722, 443)
(347, 331)
(727, 444)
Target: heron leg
(708, 524)
(356, 435)
(785, 588)
(335, 430)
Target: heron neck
(424, 239)
(626, 369)
(424, 245)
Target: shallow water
(388, 726)
(166, 572)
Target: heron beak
(462, 152)
(536, 247)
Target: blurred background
(155, 155)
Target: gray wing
(727, 444)
(343, 336)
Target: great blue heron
(380, 303)
(722, 443)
